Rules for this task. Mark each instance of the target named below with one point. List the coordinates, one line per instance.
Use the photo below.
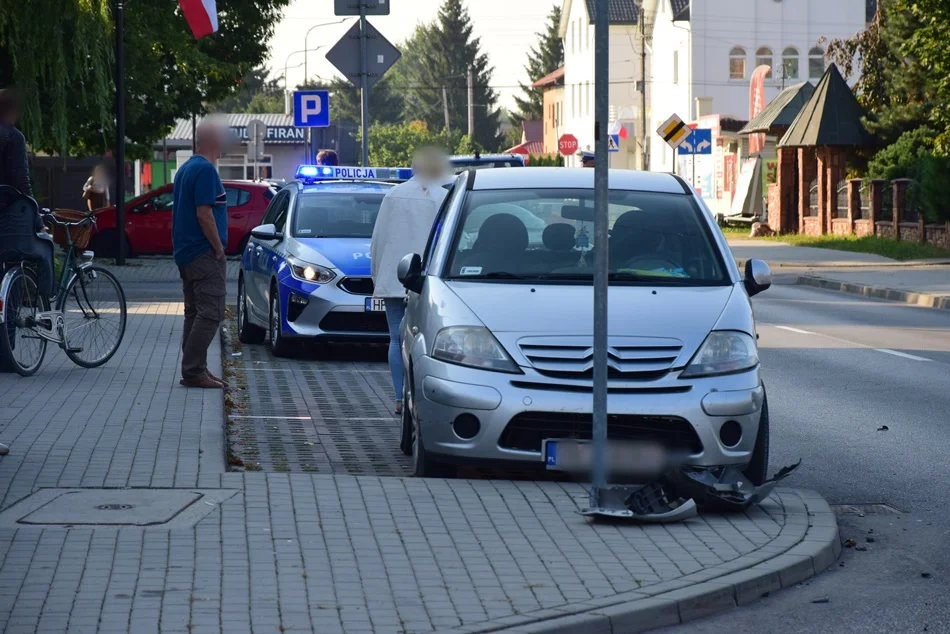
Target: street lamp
(287, 61)
(305, 46)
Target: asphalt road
(838, 369)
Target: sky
(506, 27)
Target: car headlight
(310, 272)
(472, 346)
(723, 352)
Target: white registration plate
(623, 458)
(375, 305)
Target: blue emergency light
(313, 173)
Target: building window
(763, 57)
(816, 63)
(737, 63)
(790, 63)
(676, 67)
(236, 167)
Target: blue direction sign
(698, 143)
(312, 108)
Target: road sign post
(567, 144)
(256, 133)
(699, 142)
(363, 55)
(674, 131)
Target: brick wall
(863, 228)
(812, 226)
(841, 227)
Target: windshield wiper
(495, 275)
(622, 276)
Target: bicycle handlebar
(46, 212)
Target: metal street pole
(120, 130)
(471, 103)
(364, 87)
(643, 86)
(601, 112)
(445, 108)
(306, 75)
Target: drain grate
(865, 509)
(115, 507)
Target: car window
(237, 197)
(336, 215)
(547, 234)
(461, 165)
(277, 210)
(455, 190)
(163, 201)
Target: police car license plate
(375, 305)
(623, 458)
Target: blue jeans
(395, 311)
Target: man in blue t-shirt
(199, 236)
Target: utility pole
(641, 18)
(471, 103)
(445, 107)
(364, 87)
(601, 222)
(120, 130)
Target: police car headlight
(310, 272)
(472, 346)
(723, 352)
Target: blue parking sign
(312, 108)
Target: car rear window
(548, 235)
(336, 215)
(462, 165)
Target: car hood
(512, 310)
(348, 255)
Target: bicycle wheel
(94, 313)
(22, 347)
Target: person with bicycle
(199, 237)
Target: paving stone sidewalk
(158, 269)
(277, 552)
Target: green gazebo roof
(779, 113)
(831, 117)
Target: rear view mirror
(409, 272)
(758, 277)
(266, 232)
(575, 212)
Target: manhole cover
(124, 507)
(865, 509)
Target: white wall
(667, 97)
(716, 26)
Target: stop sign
(567, 144)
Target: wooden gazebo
(825, 130)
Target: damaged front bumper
(677, 494)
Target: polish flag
(202, 16)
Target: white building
(577, 32)
(703, 53)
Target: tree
(254, 85)
(439, 55)
(384, 106)
(395, 144)
(58, 53)
(543, 59)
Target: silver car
(498, 335)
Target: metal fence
(841, 208)
(887, 202)
(913, 202)
(813, 198)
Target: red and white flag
(202, 16)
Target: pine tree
(439, 55)
(547, 57)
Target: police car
(305, 273)
(478, 161)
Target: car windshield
(548, 235)
(336, 215)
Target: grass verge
(894, 249)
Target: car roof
(245, 183)
(576, 178)
(485, 157)
(366, 187)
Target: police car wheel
(247, 332)
(278, 345)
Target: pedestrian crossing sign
(674, 131)
(613, 142)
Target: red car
(148, 220)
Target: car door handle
(258, 250)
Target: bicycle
(88, 321)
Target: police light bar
(311, 173)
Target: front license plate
(375, 305)
(627, 458)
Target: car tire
(103, 244)
(405, 442)
(758, 470)
(279, 346)
(422, 465)
(247, 332)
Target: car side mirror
(409, 272)
(758, 277)
(266, 232)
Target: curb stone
(817, 548)
(940, 302)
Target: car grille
(628, 358)
(338, 321)
(357, 285)
(527, 430)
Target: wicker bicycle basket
(80, 235)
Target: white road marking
(896, 353)
(798, 330)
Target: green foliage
(512, 137)
(254, 85)
(927, 49)
(543, 59)
(384, 104)
(912, 156)
(467, 145)
(439, 55)
(263, 103)
(546, 160)
(394, 144)
(898, 160)
(59, 55)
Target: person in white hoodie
(402, 227)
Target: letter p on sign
(311, 108)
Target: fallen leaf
(861, 548)
(882, 428)
(850, 543)
(871, 540)
(926, 575)
(821, 600)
